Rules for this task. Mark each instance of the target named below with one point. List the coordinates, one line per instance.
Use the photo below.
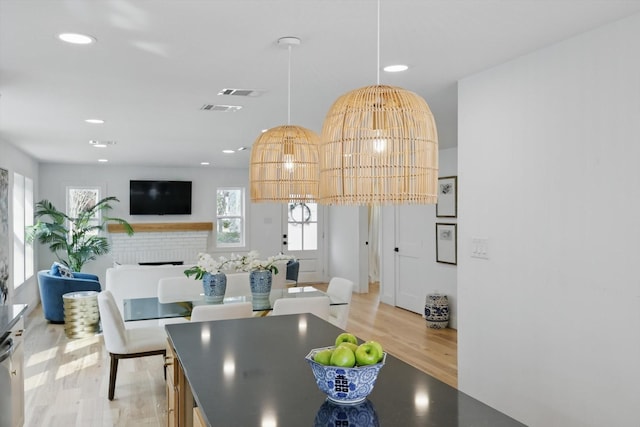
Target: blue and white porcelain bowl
(345, 386)
(358, 415)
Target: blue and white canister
(436, 311)
(260, 283)
(215, 286)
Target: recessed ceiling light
(228, 151)
(395, 68)
(101, 144)
(95, 121)
(76, 38)
(103, 160)
(204, 163)
(264, 130)
(242, 148)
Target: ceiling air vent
(240, 92)
(214, 107)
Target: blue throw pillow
(60, 270)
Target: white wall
(549, 145)
(264, 225)
(437, 277)
(15, 160)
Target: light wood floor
(66, 380)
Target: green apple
(377, 345)
(351, 345)
(346, 337)
(323, 357)
(367, 354)
(343, 357)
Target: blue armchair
(293, 266)
(53, 287)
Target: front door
(303, 238)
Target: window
(302, 227)
(23, 258)
(82, 198)
(230, 217)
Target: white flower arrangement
(269, 263)
(249, 262)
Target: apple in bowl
(349, 376)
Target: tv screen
(159, 197)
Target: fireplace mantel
(162, 227)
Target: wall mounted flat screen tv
(159, 197)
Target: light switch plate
(480, 248)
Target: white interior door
(409, 259)
(303, 238)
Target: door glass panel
(310, 233)
(302, 226)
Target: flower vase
(215, 285)
(260, 283)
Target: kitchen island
(11, 365)
(252, 372)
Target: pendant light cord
(378, 41)
(289, 89)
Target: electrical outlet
(480, 248)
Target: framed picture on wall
(447, 206)
(447, 243)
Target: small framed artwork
(447, 206)
(447, 243)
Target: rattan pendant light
(379, 145)
(284, 159)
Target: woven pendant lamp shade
(284, 165)
(379, 145)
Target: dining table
(253, 372)
(150, 308)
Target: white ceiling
(157, 62)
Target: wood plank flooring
(66, 380)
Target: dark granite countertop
(9, 315)
(251, 372)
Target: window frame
(242, 218)
(23, 209)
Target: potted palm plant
(74, 240)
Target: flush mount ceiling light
(76, 38)
(241, 148)
(228, 151)
(390, 136)
(95, 121)
(103, 160)
(284, 159)
(395, 68)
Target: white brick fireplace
(159, 243)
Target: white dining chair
(201, 313)
(341, 289)
(176, 289)
(124, 343)
(279, 281)
(237, 285)
(314, 305)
